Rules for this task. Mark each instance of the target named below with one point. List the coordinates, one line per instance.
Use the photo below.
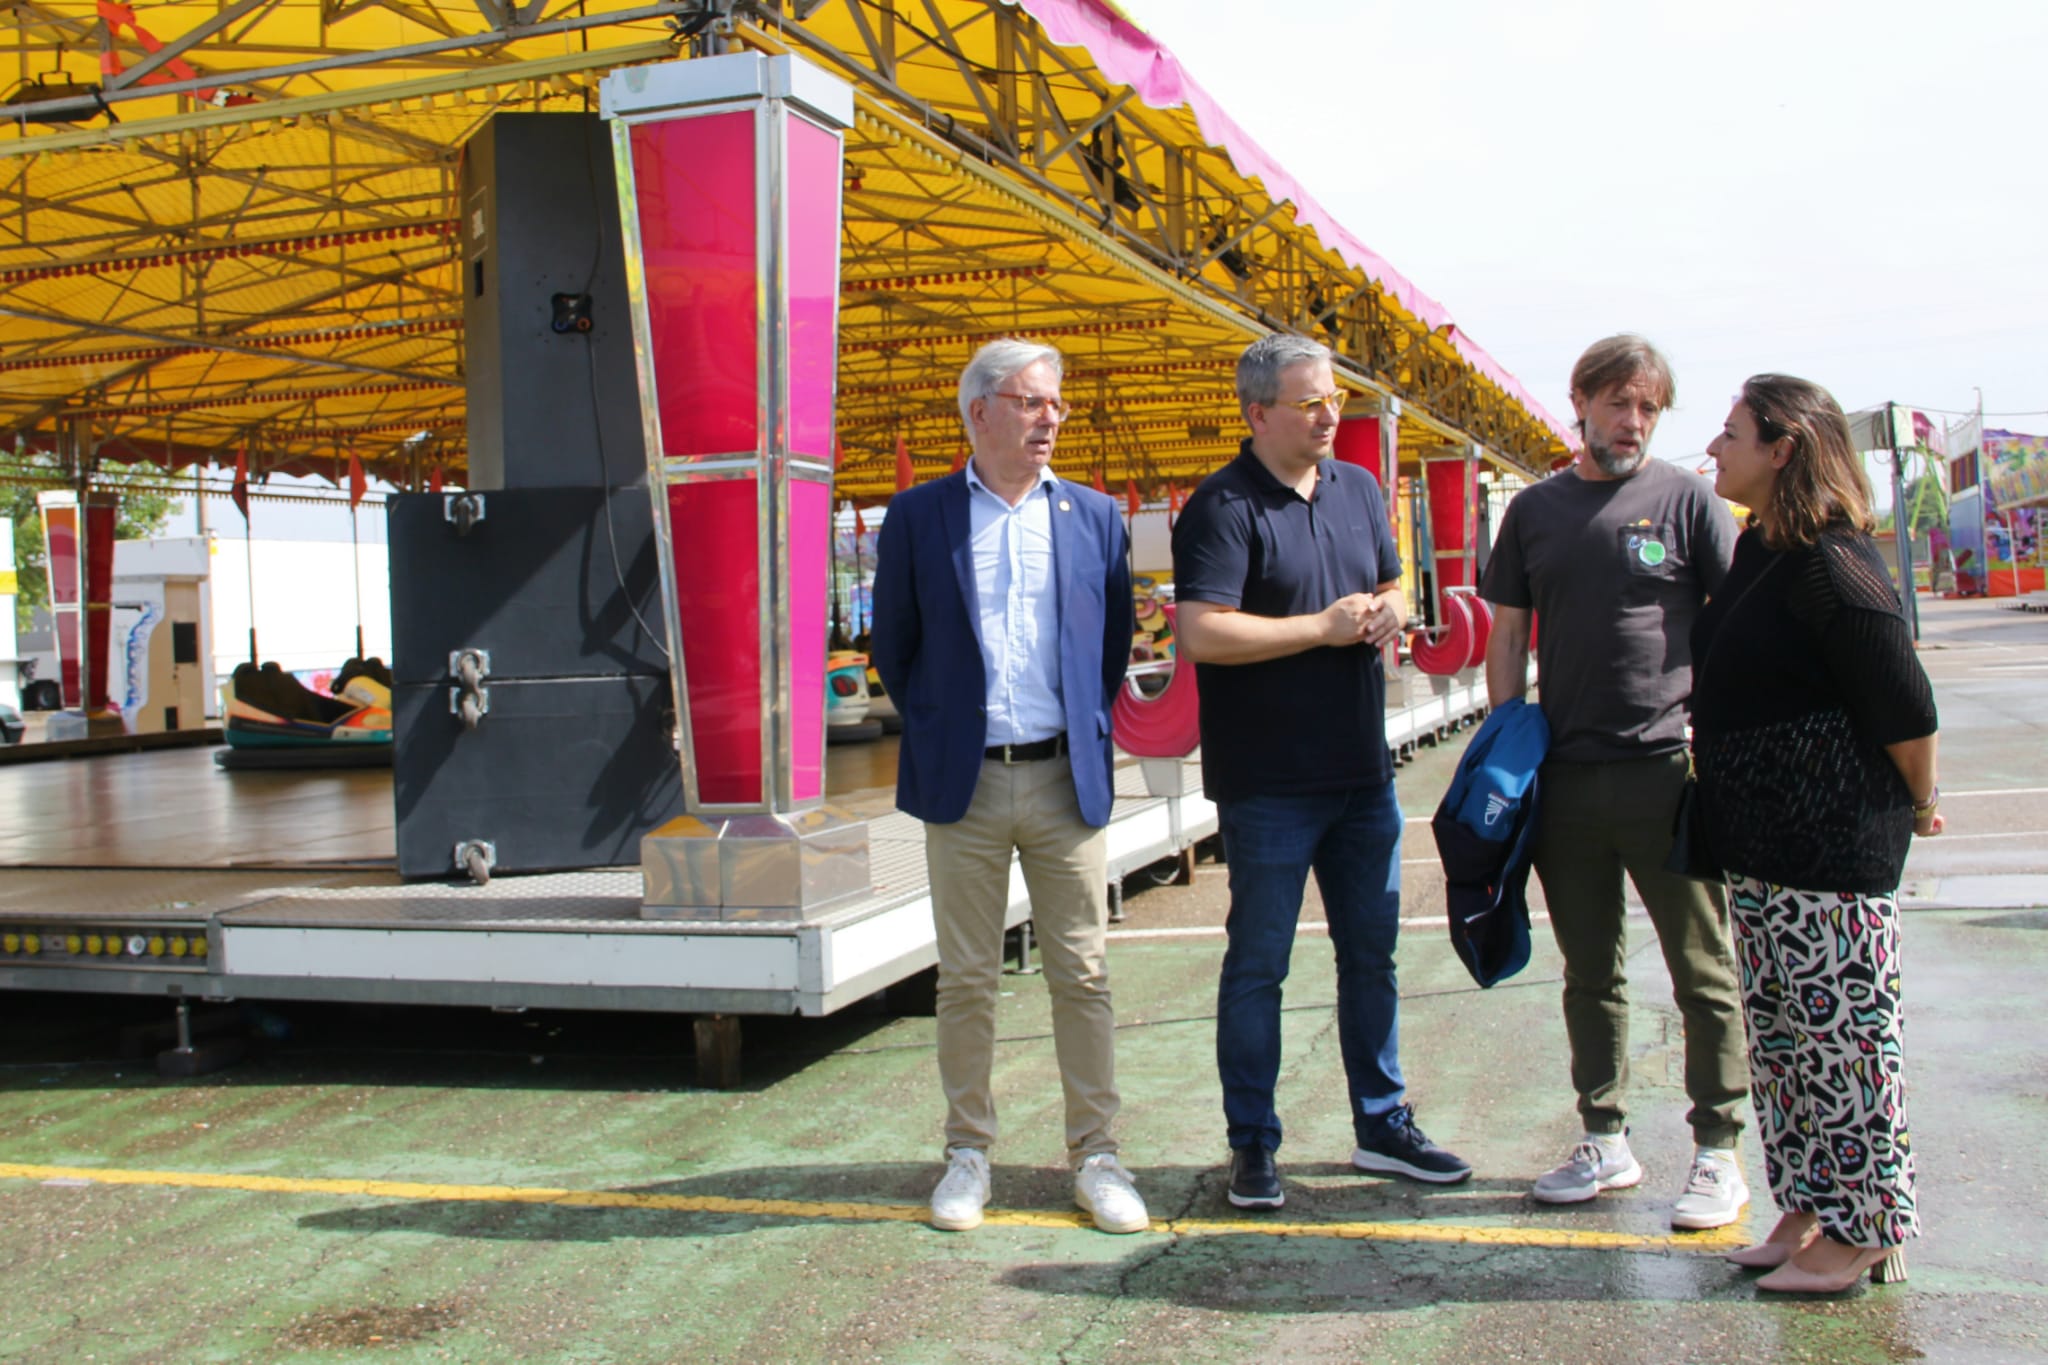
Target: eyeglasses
(1307, 406)
(1035, 404)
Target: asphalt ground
(459, 1185)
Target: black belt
(1033, 752)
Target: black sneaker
(1254, 1179)
(1400, 1148)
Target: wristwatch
(1928, 806)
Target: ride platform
(158, 874)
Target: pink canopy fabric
(1129, 56)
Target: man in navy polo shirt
(1288, 581)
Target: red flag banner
(1132, 499)
(239, 489)
(358, 484)
(1097, 481)
(860, 526)
(903, 471)
(959, 460)
(434, 480)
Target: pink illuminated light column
(729, 173)
(78, 536)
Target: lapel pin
(1066, 506)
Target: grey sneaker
(1103, 1188)
(1601, 1161)
(957, 1202)
(1714, 1192)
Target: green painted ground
(845, 1112)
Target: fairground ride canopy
(230, 226)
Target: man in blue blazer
(1002, 631)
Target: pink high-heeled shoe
(1775, 1249)
(1764, 1255)
(1887, 1265)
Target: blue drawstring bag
(1485, 831)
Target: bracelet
(1927, 807)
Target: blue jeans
(1352, 840)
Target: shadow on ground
(1326, 1204)
(63, 1041)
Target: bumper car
(880, 707)
(276, 721)
(846, 700)
(1152, 634)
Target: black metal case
(570, 757)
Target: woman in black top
(1814, 740)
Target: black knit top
(1804, 672)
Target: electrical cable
(611, 534)
(10, 477)
(1954, 412)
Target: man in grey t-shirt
(1609, 563)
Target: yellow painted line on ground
(1465, 1233)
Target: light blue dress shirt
(1017, 610)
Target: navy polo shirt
(1309, 722)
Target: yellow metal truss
(230, 225)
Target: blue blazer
(927, 650)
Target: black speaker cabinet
(553, 388)
(532, 709)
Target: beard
(1614, 463)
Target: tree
(145, 508)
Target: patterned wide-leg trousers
(1820, 989)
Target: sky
(1849, 192)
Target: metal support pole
(81, 480)
(1902, 522)
(1024, 967)
(718, 1051)
(355, 559)
(1983, 501)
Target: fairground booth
(1999, 483)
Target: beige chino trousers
(1031, 808)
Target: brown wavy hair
(1620, 360)
(1823, 484)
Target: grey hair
(1260, 367)
(995, 365)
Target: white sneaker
(1714, 1193)
(957, 1202)
(1601, 1161)
(1103, 1187)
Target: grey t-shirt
(1616, 571)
